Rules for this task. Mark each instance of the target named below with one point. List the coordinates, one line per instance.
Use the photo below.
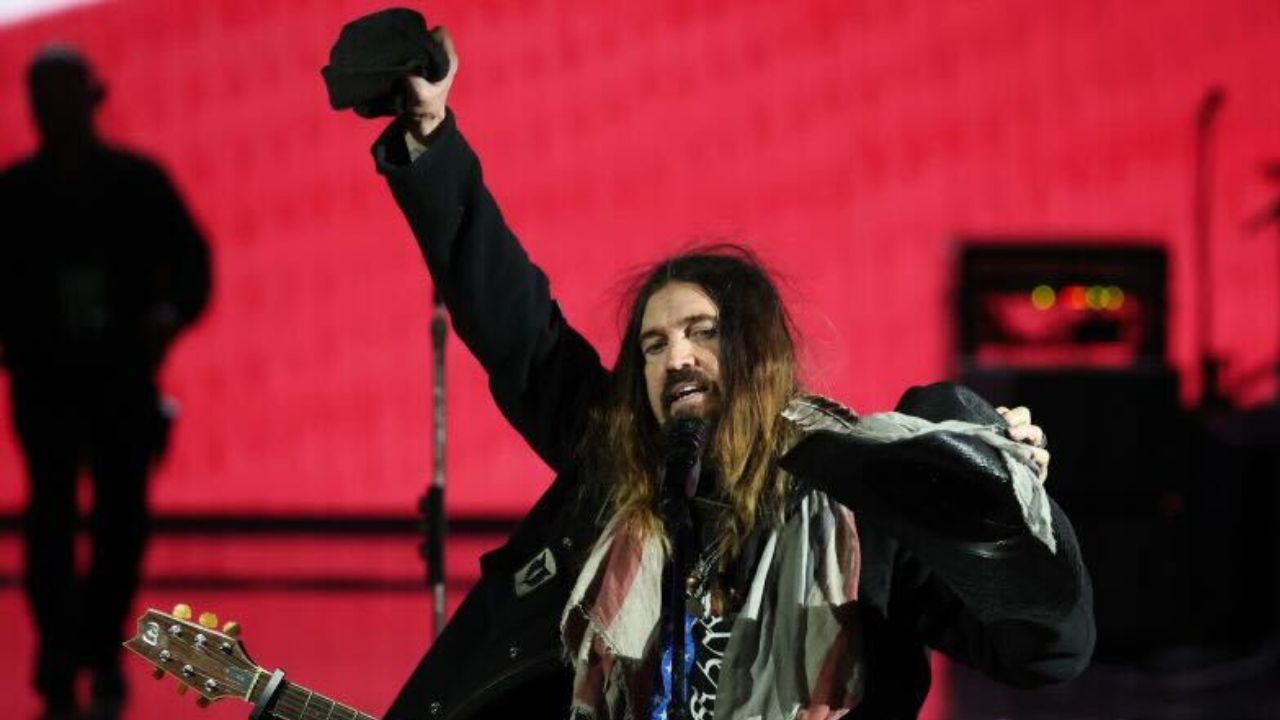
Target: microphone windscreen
(686, 437)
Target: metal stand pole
(1270, 215)
(679, 522)
(431, 504)
(1210, 366)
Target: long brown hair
(757, 379)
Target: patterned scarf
(795, 650)
(799, 613)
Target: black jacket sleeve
(1024, 616)
(542, 373)
(1009, 606)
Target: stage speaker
(1121, 468)
(1076, 329)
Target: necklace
(703, 590)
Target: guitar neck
(296, 702)
(215, 665)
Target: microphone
(686, 439)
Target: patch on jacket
(535, 573)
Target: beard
(707, 410)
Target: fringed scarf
(795, 649)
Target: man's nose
(680, 354)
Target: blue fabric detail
(662, 687)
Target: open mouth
(685, 394)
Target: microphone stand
(679, 529)
(684, 465)
(1270, 215)
(431, 504)
(1210, 365)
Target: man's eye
(706, 333)
(652, 349)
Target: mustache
(686, 375)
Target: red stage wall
(847, 141)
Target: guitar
(216, 666)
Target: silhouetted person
(100, 267)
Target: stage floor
(349, 617)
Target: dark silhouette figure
(100, 267)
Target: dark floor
(1237, 687)
(348, 617)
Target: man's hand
(1021, 430)
(425, 101)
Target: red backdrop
(847, 141)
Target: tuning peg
(182, 689)
(157, 673)
(202, 701)
(182, 611)
(232, 628)
(208, 620)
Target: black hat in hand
(374, 53)
(953, 485)
(947, 498)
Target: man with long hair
(829, 550)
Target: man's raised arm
(542, 373)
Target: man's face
(680, 340)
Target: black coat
(1023, 615)
(86, 262)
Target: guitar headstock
(201, 657)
